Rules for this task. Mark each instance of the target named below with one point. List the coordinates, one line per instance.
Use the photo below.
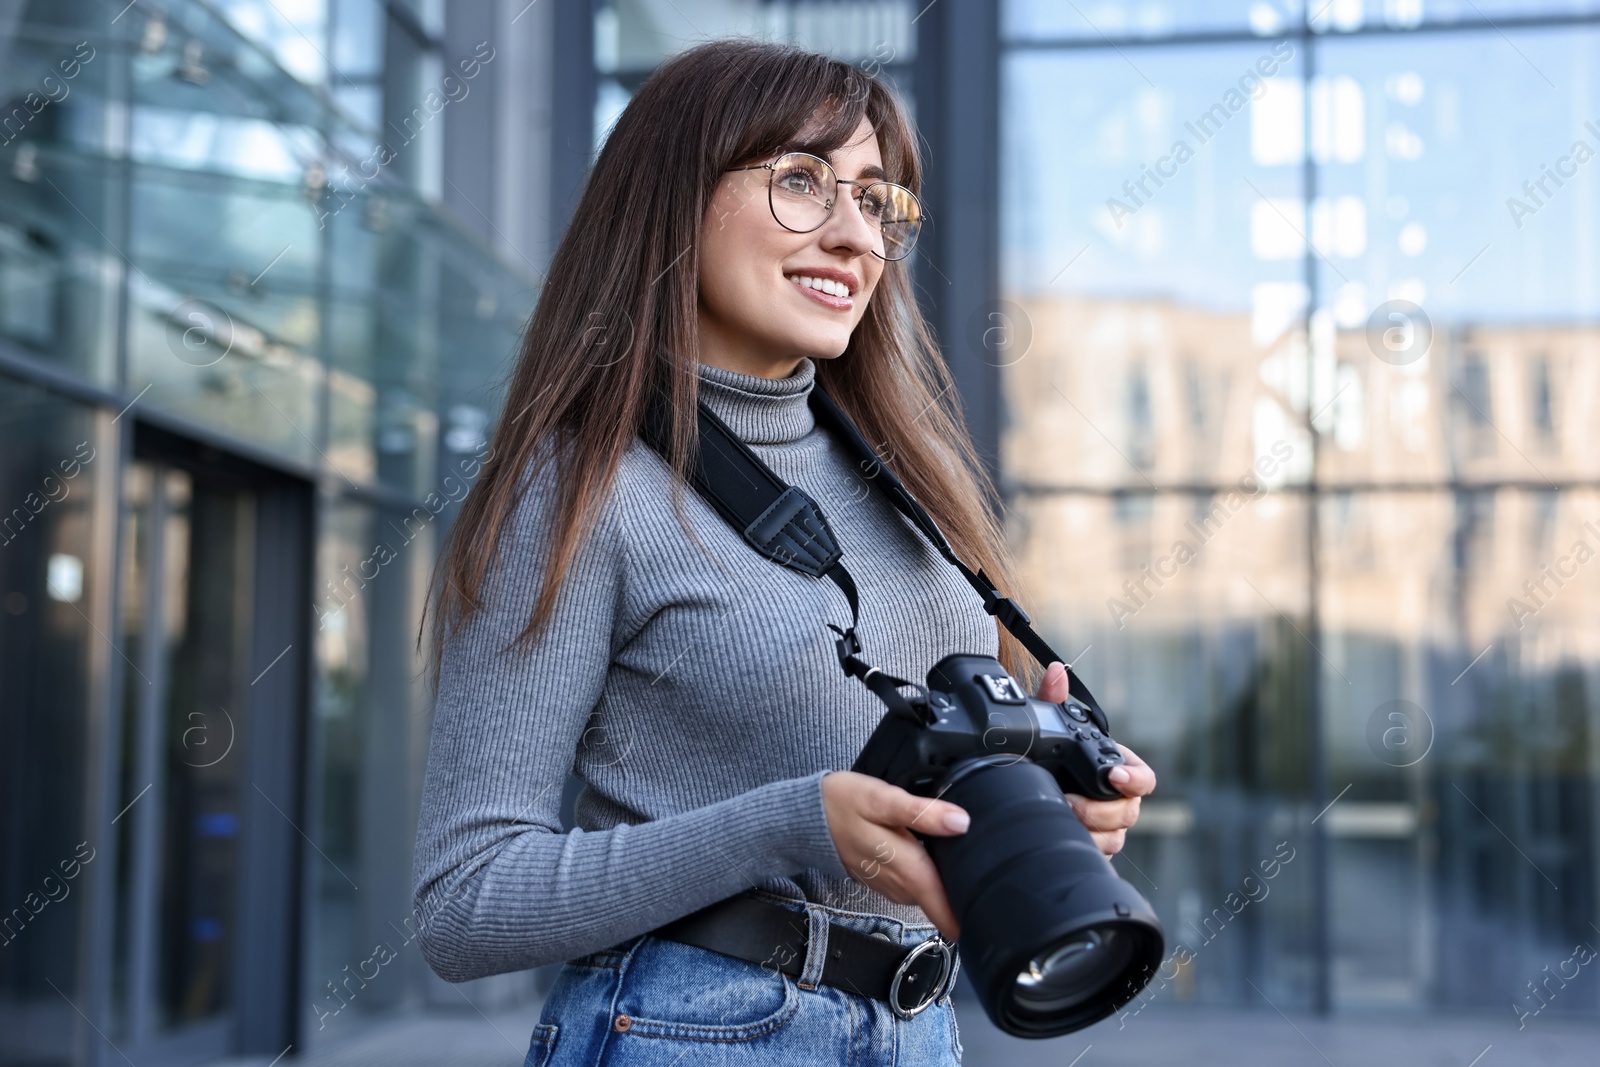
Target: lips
(827, 300)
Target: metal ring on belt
(771, 935)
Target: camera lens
(1063, 976)
(1051, 937)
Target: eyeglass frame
(771, 167)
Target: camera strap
(784, 524)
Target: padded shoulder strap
(778, 520)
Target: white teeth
(821, 284)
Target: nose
(847, 229)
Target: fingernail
(1119, 775)
(957, 821)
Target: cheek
(741, 254)
(739, 266)
(721, 252)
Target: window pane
(1458, 278)
(1152, 328)
(1464, 726)
(223, 322)
(60, 249)
(49, 650)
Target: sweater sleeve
(497, 885)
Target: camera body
(976, 714)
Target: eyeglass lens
(804, 188)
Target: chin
(816, 348)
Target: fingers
(1054, 687)
(1104, 815)
(925, 815)
(1106, 820)
(1134, 778)
(874, 824)
(937, 817)
(937, 908)
(1110, 842)
(904, 872)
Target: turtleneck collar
(762, 411)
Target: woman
(596, 616)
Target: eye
(803, 176)
(795, 180)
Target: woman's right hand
(872, 822)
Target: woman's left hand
(1106, 820)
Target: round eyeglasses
(802, 188)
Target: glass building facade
(1299, 449)
(1279, 325)
(257, 289)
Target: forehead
(858, 157)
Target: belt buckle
(934, 943)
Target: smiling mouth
(828, 293)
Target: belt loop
(816, 946)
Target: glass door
(188, 601)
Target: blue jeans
(651, 1001)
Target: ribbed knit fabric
(697, 697)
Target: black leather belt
(751, 929)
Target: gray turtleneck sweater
(697, 698)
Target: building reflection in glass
(1299, 453)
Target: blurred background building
(261, 265)
(1279, 325)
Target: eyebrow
(871, 170)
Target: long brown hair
(617, 319)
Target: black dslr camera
(1054, 939)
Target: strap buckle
(848, 647)
(1007, 610)
(936, 989)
